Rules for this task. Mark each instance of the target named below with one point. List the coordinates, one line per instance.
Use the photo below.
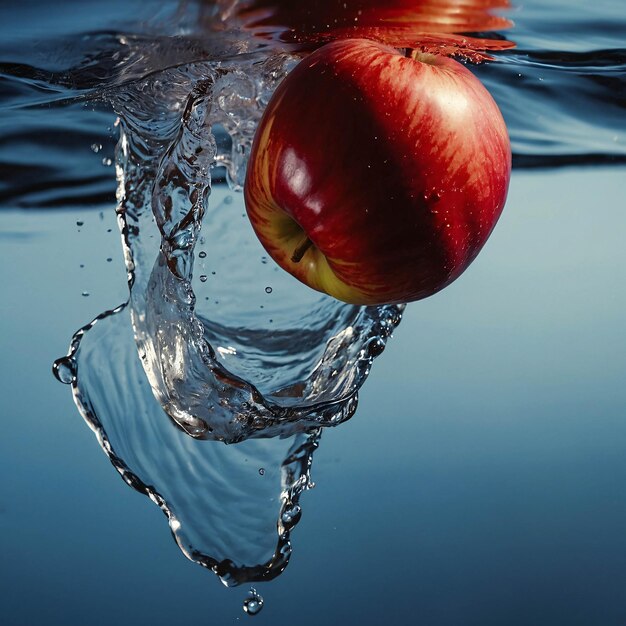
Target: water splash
(225, 371)
(203, 352)
(249, 356)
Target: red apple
(377, 177)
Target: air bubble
(262, 471)
(203, 278)
(268, 290)
(202, 255)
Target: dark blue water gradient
(562, 90)
(481, 482)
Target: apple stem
(300, 251)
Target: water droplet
(202, 255)
(262, 471)
(64, 370)
(291, 515)
(253, 604)
(203, 278)
(376, 347)
(268, 290)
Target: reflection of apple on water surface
(265, 381)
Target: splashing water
(231, 370)
(212, 335)
(248, 353)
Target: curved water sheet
(216, 344)
(232, 346)
(230, 508)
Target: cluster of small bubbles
(96, 147)
(107, 162)
(253, 604)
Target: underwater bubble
(203, 278)
(202, 255)
(268, 290)
(262, 471)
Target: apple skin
(395, 168)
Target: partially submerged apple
(377, 177)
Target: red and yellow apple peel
(376, 177)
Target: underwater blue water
(481, 480)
